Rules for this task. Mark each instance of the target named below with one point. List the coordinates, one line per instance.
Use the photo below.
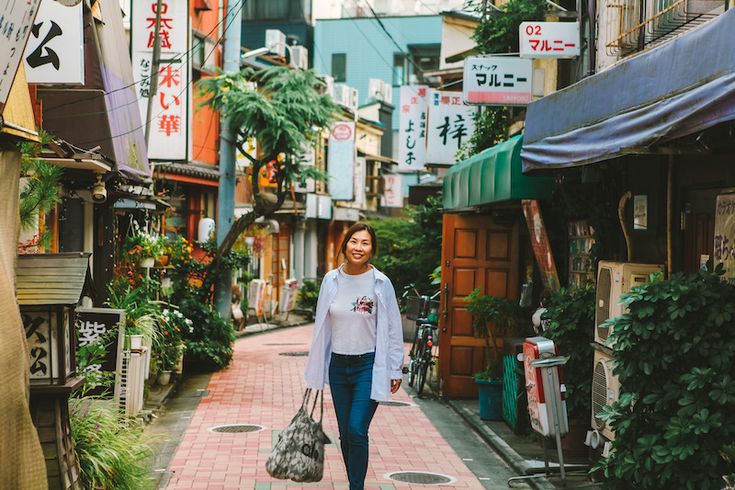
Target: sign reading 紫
(549, 39)
(724, 244)
(55, 50)
(170, 114)
(16, 22)
(102, 324)
(341, 160)
(451, 124)
(501, 80)
(412, 128)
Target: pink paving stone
(261, 387)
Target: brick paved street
(265, 388)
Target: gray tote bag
(299, 453)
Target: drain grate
(393, 403)
(420, 477)
(234, 428)
(301, 353)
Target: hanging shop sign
(724, 244)
(55, 49)
(412, 128)
(501, 81)
(341, 160)
(16, 23)
(360, 170)
(392, 191)
(450, 125)
(107, 326)
(170, 115)
(318, 206)
(549, 39)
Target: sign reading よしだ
(412, 128)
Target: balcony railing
(633, 25)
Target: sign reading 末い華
(412, 128)
(451, 124)
(500, 80)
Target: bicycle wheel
(413, 355)
(422, 368)
(411, 372)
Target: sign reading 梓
(451, 124)
(549, 39)
(16, 21)
(341, 160)
(55, 50)
(412, 128)
(501, 80)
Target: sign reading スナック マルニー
(170, 114)
(501, 80)
(55, 50)
(549, 39)
(724, 239)
(412, 128)
(450, 125)
(16, 21)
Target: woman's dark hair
(359, 226)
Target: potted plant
(493, 317)
(143, 247)
(570, 321)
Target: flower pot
(147, 262)
(135, 341)
(491, 398)
(162, 261)
(164, 377)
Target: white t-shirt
(353, 314)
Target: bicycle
(425, 311)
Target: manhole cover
(232, 428)
(420, 477)
(397, 404)
(295, 354)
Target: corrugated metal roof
(51, 279)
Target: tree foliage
(40, 189)
(284, 110)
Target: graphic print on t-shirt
(363, 304)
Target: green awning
(493, 176)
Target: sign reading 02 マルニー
(500, 80)
(170, 115)
(55, 50)
(549, 39)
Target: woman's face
(359, 248)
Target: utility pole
(155, 61)
(226, 197)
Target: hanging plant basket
(147, 262)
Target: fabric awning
(492, 176)
(674, 90)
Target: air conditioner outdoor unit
(387, 93)
(605, 390)
(300, 57)
(376, 89)
(353, 99)
(614, 279)
(329, 85)
(275, 41)
(345, 96)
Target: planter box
(491, 399)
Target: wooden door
(476, 253)
(281, 255)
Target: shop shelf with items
(581, 262)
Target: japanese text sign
(102, 325)
(501, 81)
(55, 49)
(450, 125)
(341, 160)
(412, 128)
(724, 245)
(170, 114)
(16, 22)
(392, 191)
(549, 39)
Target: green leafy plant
(570, 321)
(308, 296)
(493, 317)
(142, 245)
(110, 449)
(675, 356)
(209, 341)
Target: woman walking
(358, 344)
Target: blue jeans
(350, 379)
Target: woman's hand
(394, 385)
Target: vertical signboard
(501, 80)
(412, 128)
(341, 160)
(392, 191)
(102, 325)
(55, 49)
(540, 244)
(724, 245)
(451, 124)
(16, 22)
(360, 169)
(170, 115)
